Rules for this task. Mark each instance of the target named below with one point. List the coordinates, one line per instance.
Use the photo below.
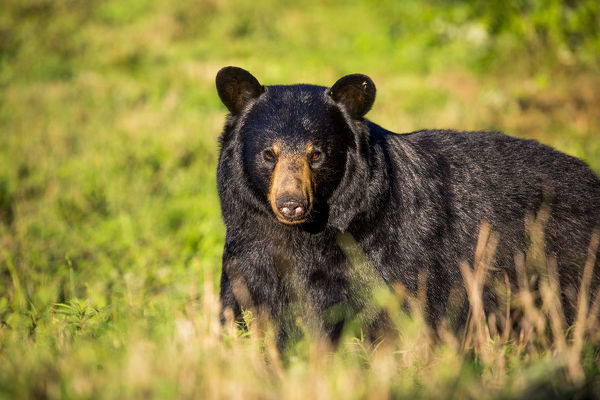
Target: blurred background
(109, 219)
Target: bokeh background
(110, 228)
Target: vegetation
(110, 230)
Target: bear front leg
(228, 302)
(249, 281)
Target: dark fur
(412, 202)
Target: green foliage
(110, 229)
(564, 31)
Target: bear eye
(316, 156)
(269, 156)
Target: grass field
(110, 228)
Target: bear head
(300, 147)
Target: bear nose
(291, 208)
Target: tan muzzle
(290, 194)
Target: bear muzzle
(290, 194)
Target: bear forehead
(295, 111)
(291, 95)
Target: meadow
(110, 228)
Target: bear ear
(355, 92)
(236, 87)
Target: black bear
(300, 167)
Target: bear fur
(300, 170)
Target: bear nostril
(291, 211)
(291, 208)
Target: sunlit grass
(110, 228)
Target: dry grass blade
(552, 305)
(478, 332)
(576, 373)
(584, 291)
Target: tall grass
(194, 356)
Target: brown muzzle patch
(290, 194)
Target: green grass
(110, 228)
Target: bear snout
(290, 193)
(291, 208)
